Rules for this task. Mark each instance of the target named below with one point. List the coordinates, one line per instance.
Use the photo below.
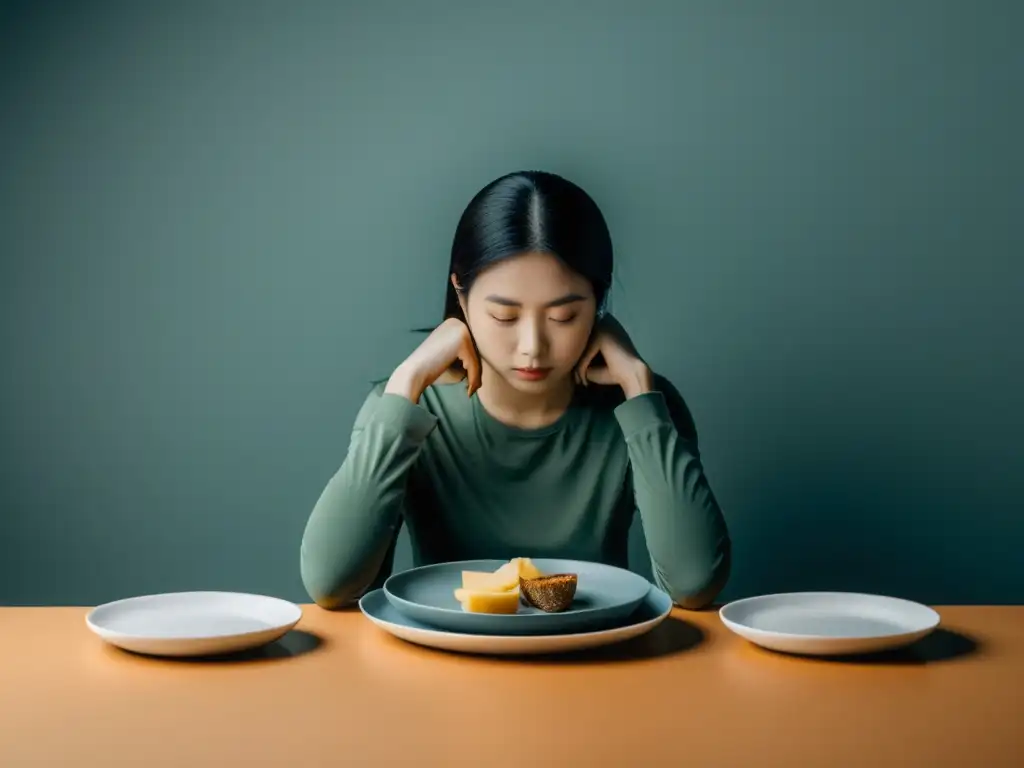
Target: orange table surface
(338, 691)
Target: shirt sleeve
(351, 532)
(685, 530)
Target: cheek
(489, 344)
(492, 340)
(573, 343)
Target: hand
(623, 366)
(433, 358)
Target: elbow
(700, 587)
(333, 586)
(339, 564)
(333, 600)
(697, 600)
(331, 593)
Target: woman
(525, 424)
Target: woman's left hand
(623, 366)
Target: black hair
(530, 211)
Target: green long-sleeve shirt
(469, 486)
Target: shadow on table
(671, 636)
(941, 645)
(296, 642)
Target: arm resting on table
(685, 530)
(350, 535)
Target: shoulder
(370, 401)
(677, 407)
(604, 400)
(446, 400)
(438, 399)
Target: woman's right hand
(449, 342)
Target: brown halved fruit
(551, 594)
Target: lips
(532, 374)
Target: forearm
(356, 518)
(684, 527)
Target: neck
(521, 409)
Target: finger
(600, 375)
(451, 375)
(471, 363)
(588, 357)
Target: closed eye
(510, 320)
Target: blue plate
(604, 595)
(653, 609)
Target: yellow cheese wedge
(526, 568)
(502, 580)
(488, 602)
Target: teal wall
(218, 221)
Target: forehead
(531, 277)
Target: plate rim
(509, 617)
(438, 632)
(104, 632)
(737, 626)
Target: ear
(461, 296)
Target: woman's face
(531, 317)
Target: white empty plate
(193, 623)
(829, 623)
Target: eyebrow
(569, 298)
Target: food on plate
(475, 601)
(502, 580)
(526, 568)
(502, 590)
(552, 593)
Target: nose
(532, 341)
